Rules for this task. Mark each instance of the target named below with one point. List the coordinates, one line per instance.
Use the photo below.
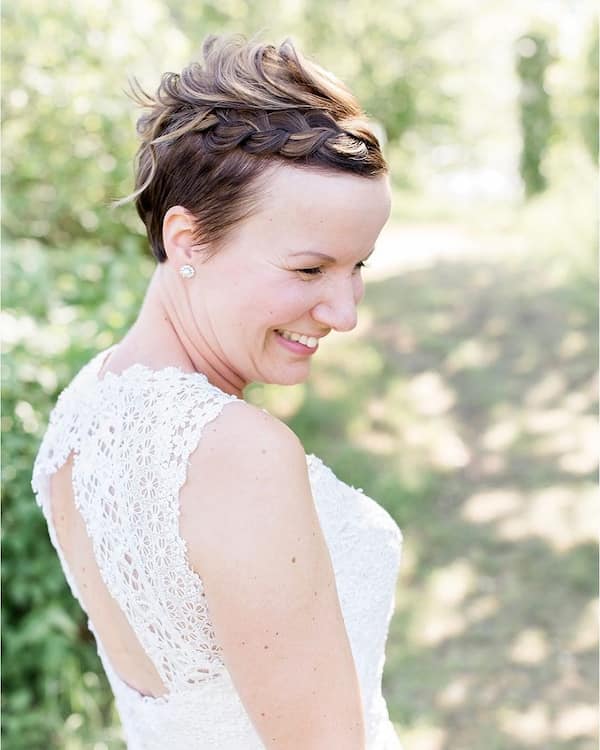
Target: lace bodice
(131, 436)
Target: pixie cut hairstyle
(212, 134)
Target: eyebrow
(324, 256)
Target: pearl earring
(187, 271)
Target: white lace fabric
(131, 436)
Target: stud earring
(187, 271)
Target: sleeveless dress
(132, 434)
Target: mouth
(310, 342)
(297, 343)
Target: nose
(337, 308)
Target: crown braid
(216, 128)
(288, 134)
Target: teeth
(310, 341)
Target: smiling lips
(310, 341)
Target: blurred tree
(589, 117)
(67, 136)
(73, 274)
(533, 58)
(389, 59)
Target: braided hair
(212, 135)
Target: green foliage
(589, 117)
(387, 58)
(533, 58)
(51, 670)
(67, 136)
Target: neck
(166, 333)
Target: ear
(178, 235)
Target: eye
(318, 270)
(310, 271)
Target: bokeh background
(465, 402)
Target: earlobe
(178, 235)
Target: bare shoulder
(249, 468)
(244, 432)
(253, 535)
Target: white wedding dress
(132, 435)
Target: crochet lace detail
(131, 436)
(130, 461)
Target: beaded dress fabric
(131, 436)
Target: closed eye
(318, 269)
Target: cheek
(271, 304)
(290, 301)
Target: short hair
(213, 132)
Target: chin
(288, 378)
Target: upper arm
(253, 535)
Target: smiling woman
(240, 594)
(235, 340)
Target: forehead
(305, 209)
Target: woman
(240, 594)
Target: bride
(240, 594)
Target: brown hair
(213, 132)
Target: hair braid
(211, 133)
